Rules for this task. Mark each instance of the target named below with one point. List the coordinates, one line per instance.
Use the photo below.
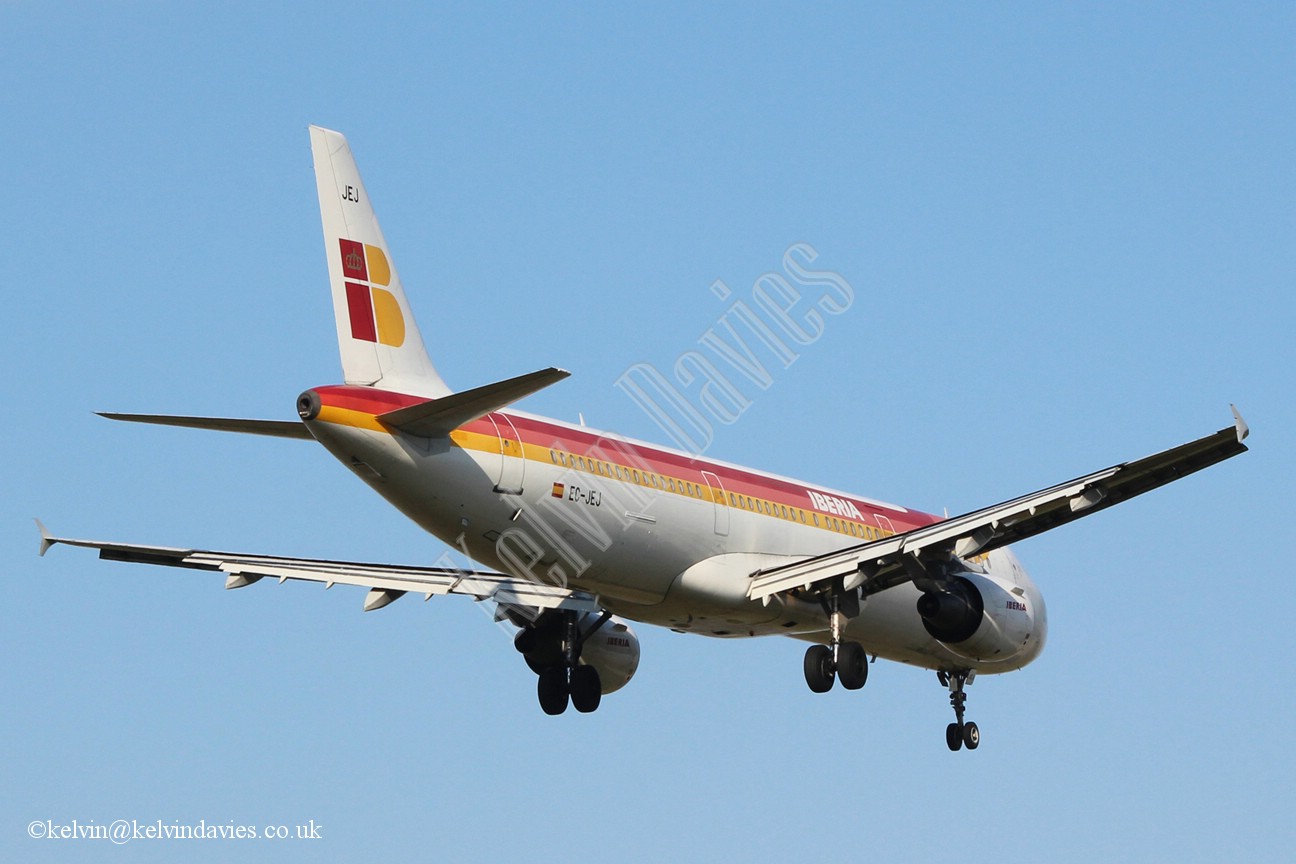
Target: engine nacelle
(978, 617)
(612, 649)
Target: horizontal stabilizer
(440, 416)
(274, 428)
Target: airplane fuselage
(660, 536)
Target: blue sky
(1069, 232)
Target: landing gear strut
(959, 733)
(841, 661)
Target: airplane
(586, 531)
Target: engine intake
(954, 612)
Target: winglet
(1242, 429)
(47, 539)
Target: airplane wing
(385, 582)
(881, 564)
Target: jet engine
(612, 648)
(614, 651)
(977, 616)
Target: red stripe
(541, 434)
(366, 399)
(737, 481)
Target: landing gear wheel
(586, 689)
(820, 670)
(852, 665)
(552, 690)
(971, 735)
(953, 736)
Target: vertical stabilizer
(377, 337)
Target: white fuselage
(659, 536)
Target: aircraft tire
(971, 736)
(551, 687)
(954, 736)
(819, 668)
(852, 665)
(586, 689)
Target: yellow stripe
(491, 444)
(352, 418)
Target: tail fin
(377, 337)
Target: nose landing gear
(960, 733)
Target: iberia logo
(375, 314)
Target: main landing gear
(841, 661)
(580, 683)
(553, 651)
(959, 733)
(845, 662)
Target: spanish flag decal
(558, 489)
